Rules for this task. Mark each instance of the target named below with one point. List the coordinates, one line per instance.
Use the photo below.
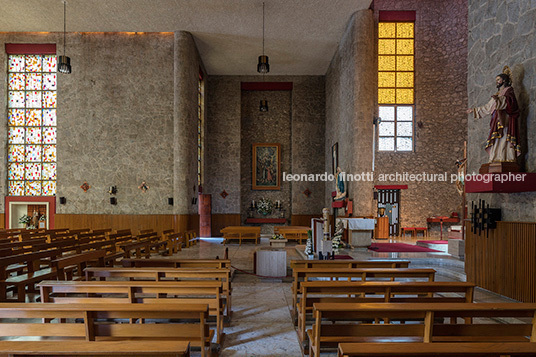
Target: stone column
(186, 72)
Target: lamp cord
(263, 28)
(64, 25)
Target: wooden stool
(424, 231)
(410, 230)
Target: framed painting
(335, 157)
(266, 169)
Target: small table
(360, 230)
(271, 262)
(442, 219)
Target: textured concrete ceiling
(300, 35)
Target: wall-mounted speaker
(63, 200)
(170, 201)
(113, 200)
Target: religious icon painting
(266, 170)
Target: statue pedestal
(499, 167)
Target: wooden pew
(434, 325)
(459, 349)
(190, 238)
(304, 274)
(175, 241)
(162, 274)
(298, 233)
(177, 263)
(314, 292)
(66, 266)
(349, 263)
(156, 292)
(240, 233)
(93, 328)
(34, 272)
(95, 348)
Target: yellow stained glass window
(404, 63)
(386, 30)
(404, 79)
(386, 79)
(404, 47)
(386, 96)
(396, 85)
(386, 47)
(405, 29)
(404, 96)
(386, 63)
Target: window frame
(396, 17)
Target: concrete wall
(500, 33)
(125, 115)
(350, 92)
(234, 123)
(440, 101)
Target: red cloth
(399, 247)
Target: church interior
(333, 168)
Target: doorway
(40, 210)
(390, 199)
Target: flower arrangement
(309, 246)
(336, 242)
(265, 206)
(277, 236)
(25, 219)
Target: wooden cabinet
(381, 230)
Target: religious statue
(340, 189)
(502, 145)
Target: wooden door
(205, 211)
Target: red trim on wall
(31, 48)
(51, 200)
(266, 86)
(391, 187)
(397, 16)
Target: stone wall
(273, 126)
(501, 33)
(229, 132)
(350, 93)
(117, 113)
(440, 101)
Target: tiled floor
(261, 324)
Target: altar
(359, 231)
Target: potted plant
(26, 220)
(265, 206)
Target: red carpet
(399, 247)
(433, 241)
(344, 257)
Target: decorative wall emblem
(307, 192)
(85, 187)
(224, 194)
(144, 187)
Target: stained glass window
(396, 85)
(31, 117)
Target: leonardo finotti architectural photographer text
(406, 177)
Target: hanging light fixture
(263, 66)
(64, 65)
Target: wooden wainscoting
(220, 221)
(2, 220)
(505, 261)
(302, 219)
(158, 222)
